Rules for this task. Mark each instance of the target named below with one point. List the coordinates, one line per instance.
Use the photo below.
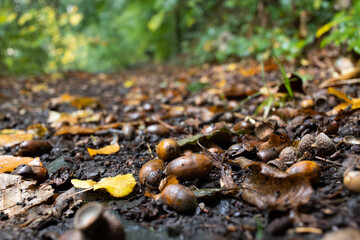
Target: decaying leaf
(269, 188)
(11, 137)
(118, 186)
(9, 162)
(17, 195)
(105, 150)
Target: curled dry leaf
(118, 186)
(269, 188)
(9, 162)
(105, 150)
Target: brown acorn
(168, 149)
(324, 145)
(190, 167)
(308, 169)
(179, 198)
(34, 148)
(151, 173)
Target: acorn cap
(289, 154)
(324, 145)
(306, 143)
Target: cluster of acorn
(188, 167)
(33, 148)
(289, 156)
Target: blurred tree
(105, 35)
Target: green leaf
(156, 21)
(197, 86)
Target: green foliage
(105, 35)
(344, 28)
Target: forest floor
(241, 199)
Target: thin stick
(328, 161)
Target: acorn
(308, 169)
(352, 181)
(34, 148)
(324, 145)
(190, 167)
(289, 154)
(244, 125)
(306, 143)
(38, 173)
(168, 149)
(307, 103)
(128, 131)
(266, 155)
(158, 129)
(94, 223)
(151, 173)
(179, 198)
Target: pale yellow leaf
(105, 150)
(83, 183)
(118, 186)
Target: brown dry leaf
(18, 196)
(277, 141)
(269, 188)
(11, 137)
(342, 79)
(75, 130)
(79, 102)
(9, 162)
(105, 150)
(118, 186)
(168, 181)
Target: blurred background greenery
(107, 35)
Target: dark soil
(221, 216)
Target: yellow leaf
(339, 94)
(83, 183)
(129, 83)
(324, 29)
(105, 150)
(118, 186)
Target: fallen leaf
(79, 102)
(105, 150)
(9, 162)
(75, 130)
(18, 196)
(118, 186)
(354, 102)
(83, 183)
(269, 188)
(11, 137)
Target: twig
(328, 161)
(165, 124)
(216, 161)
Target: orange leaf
(339, 94)
(10, 137)
(9, 162)
(105, 150)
